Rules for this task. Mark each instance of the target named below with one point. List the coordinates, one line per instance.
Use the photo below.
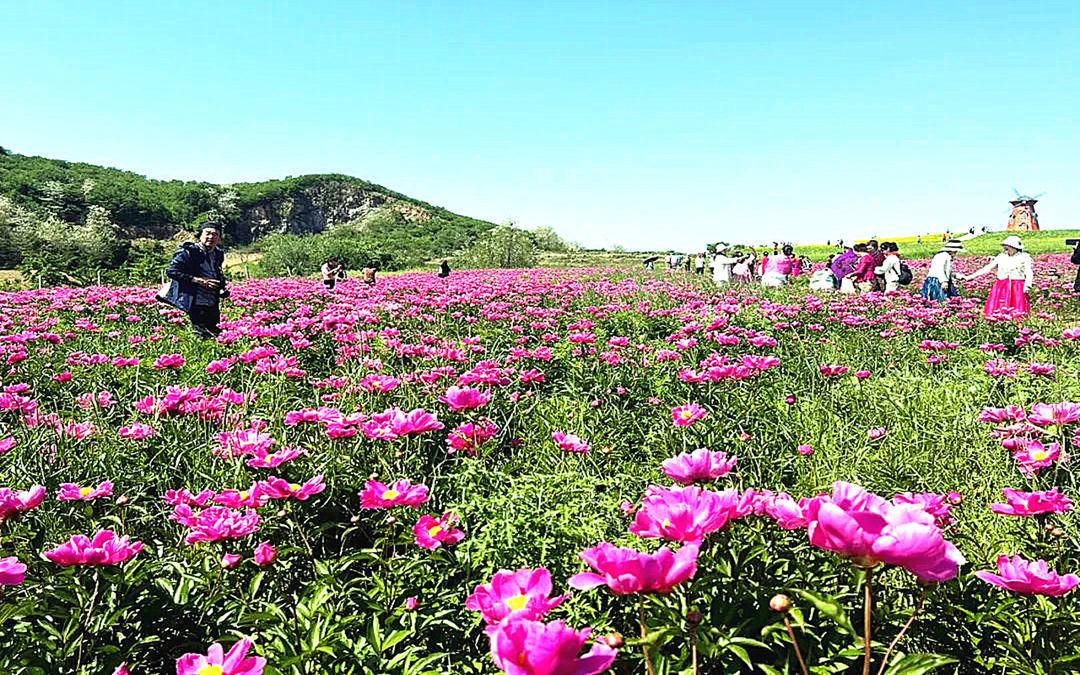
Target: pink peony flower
(169, 361)
(700, 465)
(275, 459)
(685, 415)
(625, 571)
(684, 514)
(230, 560)
(787, 513)
(1033, 456)
(805, 449)
(515, 595)
(877, 433)
(830, 370)
(136, 431)
(12, 572)
(469, 436)
(70, 492)
(215, 523)
(465, 398)
(411, 603)
(104, 549)
(569, 442)
(265, 554)
(1053, 415)
(18, 501)
(1032, 503)
(6, 444)
(378, 495)
(862, 526)
(279, 488)
(862, 374)
(938, 506)
(533, 648)
(1029, 578)
(431, 532)
(217, 662)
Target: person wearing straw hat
(1009, 295)
(938, 283)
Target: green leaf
(917, 664)
(830, 607)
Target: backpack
(905, 275)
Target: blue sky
(645, 124)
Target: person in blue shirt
(198, 282)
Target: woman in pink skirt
(1009, 295)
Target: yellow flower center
(521, 659)
(85, 491)
(243, 495)
(1038, 455)
(293, 487)
(666, 522)
(686, 414)
(517, 602)
(390, 495)
(210, 669)
(434, 531)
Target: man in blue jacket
(198, 282)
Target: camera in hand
(1072, 242)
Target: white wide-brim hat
(721, 246)
(1013, 241)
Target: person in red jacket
(863, 275)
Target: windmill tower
(1023, 218)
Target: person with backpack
(889, 269)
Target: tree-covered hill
(57, 192)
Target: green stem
(795, 644)
(911, 620)
(644, 631)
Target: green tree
(504, 246)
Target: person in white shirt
(721, 264)
(938, 283)
(699, 263)
(1009, 295)
(890, 267)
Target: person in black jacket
(198, 282)
(1075, 259)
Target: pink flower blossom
(862, 374)
(13, 502)
(526, 647)
(685, 415)
(411, 603)
(265, 554)
(625, 571)
(936, 505)
(700, 465)
(230, 560)
(1053, 415)
(831, 370)
(684, 514)
(465, 398)
(469, 436)
(1029, 577)
(12, 572)
(70, 492)
(1032, 503)
(136, 431)
(569, 442)
(376, 495)
(805, 449)
(104, 549)
(218, 662)
(279, 488)
(877, 433)
(6, 444)
(432, 532)
(523, 594)
(274, 459)
(1031, 456)
(169, 361)
(867, 529)
(215, 523)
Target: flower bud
(780, 603)
(694, 618)
(355, 519)
(399, 454)
(613, 640)
(122, 499)
(1057, 532)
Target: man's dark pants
(205, 319)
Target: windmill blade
(1038, 195)
(1017, 193)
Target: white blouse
(1017, 266)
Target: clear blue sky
(646, 124)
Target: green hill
(140, 207)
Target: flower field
(539, 472)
